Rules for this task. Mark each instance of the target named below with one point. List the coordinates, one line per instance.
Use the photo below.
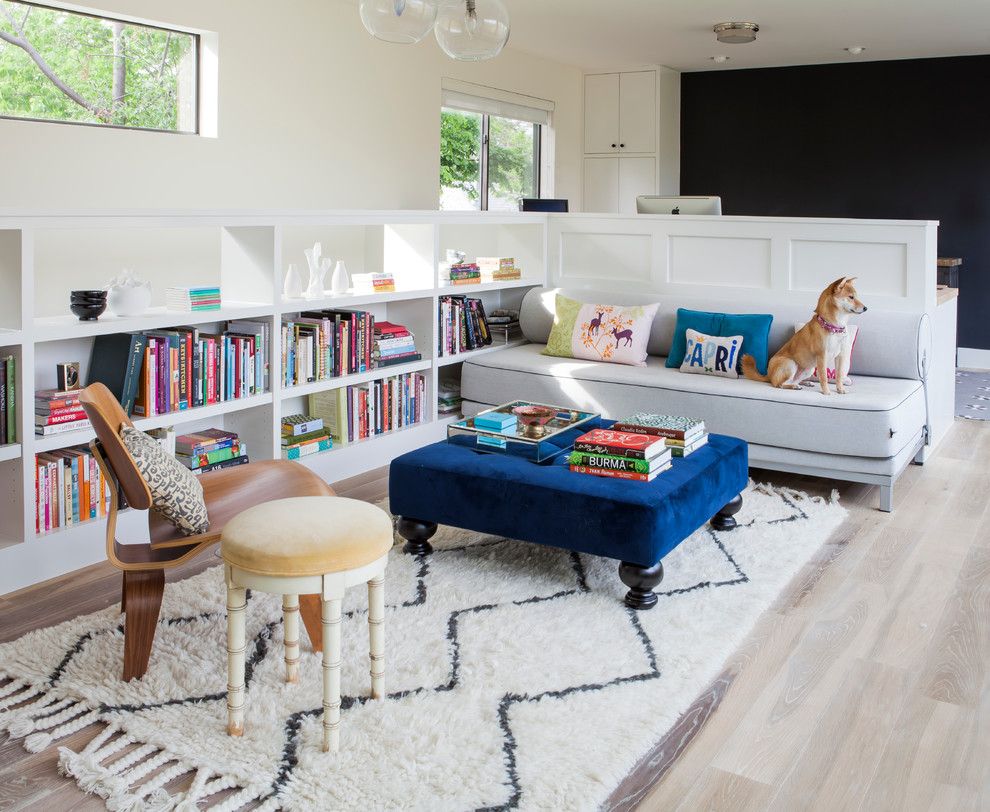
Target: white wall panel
(591, 256)
(743, 262)
(881, 267)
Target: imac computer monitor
(652, 204)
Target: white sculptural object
(293, 288)
(340, 282)
(318, 268)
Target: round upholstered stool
(302, 546)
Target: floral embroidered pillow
(614, 333)
(711, 355)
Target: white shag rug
(516, 678)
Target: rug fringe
(135, 782)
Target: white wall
(313, 113)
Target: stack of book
(195, 299)
(8, 400)
(69, 489)
(357, 412)
(449, 397)
(303, 435)
(394, 344)
(620, 455)
(504, 325)
(465, 273)
(210, 450)
(373, 283)
(322, 344)
(463, 325)
(184, 368)
(498, 269)
(57, 412)
(683, 435)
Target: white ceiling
(678, 33)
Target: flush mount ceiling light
(855, 50)
(472, 30)
(720, 59)
(404, 22)
(735, 33)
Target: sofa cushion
(877, 417)
(710, 355)
(754, 328)
(605, 332)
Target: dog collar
(832, 328)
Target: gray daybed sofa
(868, 435)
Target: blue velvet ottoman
(637, 523)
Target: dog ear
(839, 283)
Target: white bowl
(130, 301)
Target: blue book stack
(495, 421)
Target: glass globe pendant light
(405, 22)
(472, 30)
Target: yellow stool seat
(306, 535)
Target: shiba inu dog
(817, 344)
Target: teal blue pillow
(753, 327)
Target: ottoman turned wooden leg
(376, 635)
(290, 615)
(723, 520)
(331, 675)
(417, 533)
(641, 582)
(236, 604)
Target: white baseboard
(970, 358)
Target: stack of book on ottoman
(682, 434)
(620, 455)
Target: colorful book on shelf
(192, 298)
(620, 444)
(69, 489)
(204, 441)
(331, 406)
(115, 361)
(295, 425)
(463, 325)
(8, 400)
(673, 427)
(193, 461)
(219, 466)
(307, 449)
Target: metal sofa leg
(887, 498)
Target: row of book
(8, 400)
(57, 411)
(69, 489)
(324, 344)
(639, 447)
(303, 435)
(463, 325)
(357, 412)
(362, 283)
(483, 269)
(210, 450)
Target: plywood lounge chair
(227, 493)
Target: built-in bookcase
(43, 257)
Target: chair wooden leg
(290, 615)
(309, 608)
(142, 595)
(376, 635)
(123, 592)
(331, 675)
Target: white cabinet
(613, 184)
(631, 137)
(620, 112)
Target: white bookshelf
(45, 255)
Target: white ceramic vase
(293, 287)
(340, 282)
(130, 298)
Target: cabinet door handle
(622, 146)
(613, 146)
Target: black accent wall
(907, 139)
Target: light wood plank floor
(866, 686)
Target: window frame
(197, 84)
(537, 167)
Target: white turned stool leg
(236, 604)
(376, 635)
(290, 615)
(331, 675)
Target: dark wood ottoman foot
(417, 534)
(641, 581)
(723, 520)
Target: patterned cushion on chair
(175, 493)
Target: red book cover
(55, 420)
(211, 370)
(620, 444)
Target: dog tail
(750, 371)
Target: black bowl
(88, 294)
(87, 297)
(88, 311)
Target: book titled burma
(613, 474)
(662, 425)
(606, 461)
(620, 444)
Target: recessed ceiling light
(735, 33)
(855, 50)
(720, 59)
